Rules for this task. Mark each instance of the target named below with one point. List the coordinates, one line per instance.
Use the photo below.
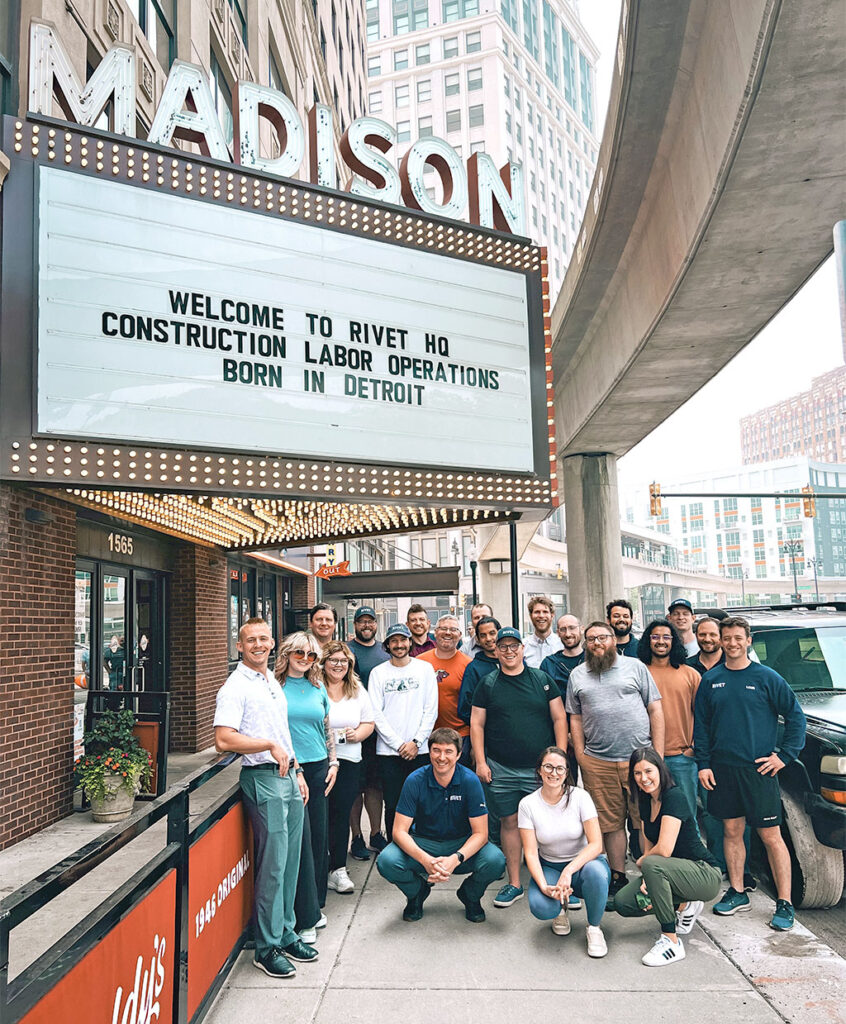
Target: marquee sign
(168, 321)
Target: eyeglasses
(443, 629)
(308, 655)
(599, 638)
(508, 648)
(554, 769)
(663, 637)
(338, 662)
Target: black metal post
(515, 581)
(813, 562)
(473, 567)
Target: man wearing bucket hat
(517, 712)
(405, 690)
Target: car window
(809, 659)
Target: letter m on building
(51, 74)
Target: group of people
(563, 749)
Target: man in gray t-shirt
(614, 707)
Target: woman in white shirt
(562, 844)
(351, 721)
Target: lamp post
(792, 547)
(814, 562)
(474, 565)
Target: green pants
(669, 881)
(275, 810)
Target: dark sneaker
(732, 903)
(618, 881)
(377, 842)
(472, 908)
(298, 950)
(358, 849)
(275, 964)
(414, 907)
(749, 883)
(507, 895)
(782, 919)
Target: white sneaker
(664, 952)
(686, 918)
(322, 922)
(340, 881)
(561, 924)
(595, 941)
(309, 936)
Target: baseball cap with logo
(362, 611)
(509, 633)
(680, 602)
(398, 629)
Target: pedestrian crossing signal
(655, 499)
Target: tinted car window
(809, 659)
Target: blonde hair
(296, 642)
(352, 683)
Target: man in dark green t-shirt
(517, 712)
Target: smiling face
(255, 644)
(444, 757)
(510, 653)
(553, 771)
(323, 625)
(418, 623)
(447, 637)
(541, 616)
(681, 618)
(660, 642)
(647, 777)
(335, 667)
(398, 647)
(486, 635)
(620, 620)
(365, 629)
(708, 637)
(569, 632)
(479, 612)
(735, 644)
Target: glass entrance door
(148, 631)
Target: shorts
(371, 777)
(607, 782)
(507, 788)
(742, 792)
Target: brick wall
(36, 663)
(199, 661)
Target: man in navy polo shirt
(441, 829)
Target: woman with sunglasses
(314, 748)
(351, 720)
(679, 873)
(562, 844)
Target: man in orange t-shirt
(449, 665)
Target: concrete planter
(118, 802)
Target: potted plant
(114, 767)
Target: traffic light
(655, 499)
(809, 504)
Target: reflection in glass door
(148, 665)
(115, 588)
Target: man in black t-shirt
(517, 711)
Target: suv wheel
(817, 869)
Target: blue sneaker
(574, 903)
(783, 918)
(733, 902)
(507, 895)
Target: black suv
(806, 644)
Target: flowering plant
(111, 750)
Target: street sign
(326, 572)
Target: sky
(768, 370)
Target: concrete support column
(592, 514)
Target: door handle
(138, 681)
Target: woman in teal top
(314, 747)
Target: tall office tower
(515, 78)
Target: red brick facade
(36, 662)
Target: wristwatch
(300, 771)
(460, 856)
(417, 743)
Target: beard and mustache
(601, 662)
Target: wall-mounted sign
(327, 572)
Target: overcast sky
(802, 342)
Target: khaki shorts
(608, 785)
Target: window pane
(114, 632)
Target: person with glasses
(562, 844)
(404, 693)
(351, 721)
(251, 719)
(314, 746)
(679, 874)
(449, 665)
(517, 711)
(614, 707)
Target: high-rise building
(515, 78)
(811, 423)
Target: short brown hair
(735, 622)
(414, 609)
(541, 599)
(445, 735)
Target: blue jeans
(406, 873)
(590, 883)
(685, 774)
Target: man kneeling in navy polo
(441, 828)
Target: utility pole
(791, 547)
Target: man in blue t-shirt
(735, 736)
(441, 829)
(484, 662)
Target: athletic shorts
(608, 785)
(742, 792)
(507, 787)
(371, 777)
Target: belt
(266, 767)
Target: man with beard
(470, 644)
(572, 653)
(368, 654)
(542, 642)
(619, 616)
(614, 707)
(418, 623)
(711, 651)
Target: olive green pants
(669, 881)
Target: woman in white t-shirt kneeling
(562, 844)
(351, 721)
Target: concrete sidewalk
(373, 967)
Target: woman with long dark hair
(678, 873)
(562, 844)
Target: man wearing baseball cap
(680, 613)
(517, 712)
(405, 691)
(368, 654)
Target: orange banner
(128, 977)
(220, 899)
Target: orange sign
(326, 572)
(220, 899)
(127, 978)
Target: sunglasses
(308, 655)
